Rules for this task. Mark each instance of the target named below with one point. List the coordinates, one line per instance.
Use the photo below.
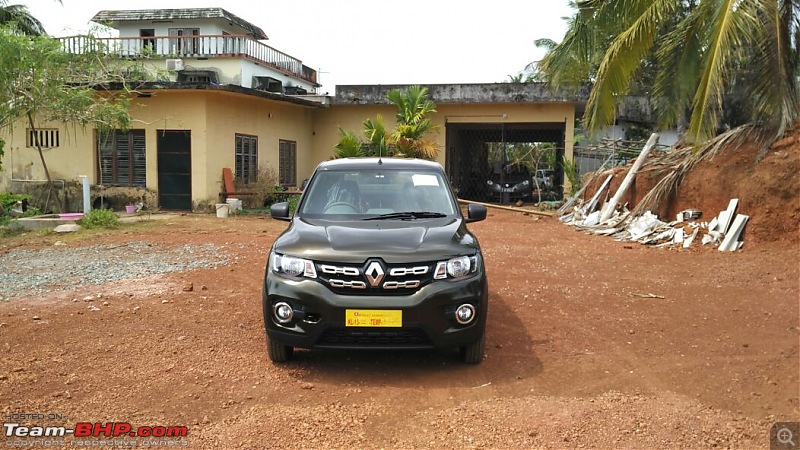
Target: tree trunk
(39, 148)
(44, 163)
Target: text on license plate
(373, 318)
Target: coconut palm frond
(573, 61)
(623, 58)
(730, 29)
(679, 162)
(22, 18)
(678, 58)
(773, 87)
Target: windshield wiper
(407, 215)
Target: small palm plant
(410, 138)
(349, 146)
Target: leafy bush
(293, 203)
(571, 171)
(266, 182)
(99, 218)
(8, 200)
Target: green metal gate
(175, 170)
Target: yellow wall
(72, 158)
(229, 114)
(214, 117)
(350, 117)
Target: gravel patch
(37, 272)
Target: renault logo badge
(374, 273)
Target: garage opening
(506, 162)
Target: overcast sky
(371, 42)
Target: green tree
(520, 78)
(411, 136)
(414, 126)
(22, 19)
(349, 146)
(39, 81)
(700, 52)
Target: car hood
(395, 241)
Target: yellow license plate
(373, 318)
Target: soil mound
(768, 189)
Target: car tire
(278, 352)
(473, 353)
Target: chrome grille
(393, 279)
(339, 270)
(410, 284)
(403, 271)
(347, 284)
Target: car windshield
(377, 195)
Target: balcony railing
(195, 46)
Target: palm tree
(574, 61)
(414, 125)
(377, 138)
(21, 18)
(520, 78)
(700, 49)
(349, 146)
(410, 137)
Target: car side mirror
(280, 211)
(475, 213)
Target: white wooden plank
(731, 241)
(688, 241)
(730, 214)
(623, 187)
(593, 202)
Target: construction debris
(648, 229)
(724, 231)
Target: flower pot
(130, 209)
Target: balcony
(195, 46)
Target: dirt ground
(591, 343)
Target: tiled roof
(112, 16)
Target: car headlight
(292, 266)
(489, 182)
(458, 267)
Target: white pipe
(87, 203)
(608, 210)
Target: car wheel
(473, 353)
(278, 352)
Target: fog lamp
(465, 314)
(283, 312)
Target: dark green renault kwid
(377, 256)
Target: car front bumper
(428, 315)
(515, 192)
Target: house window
(287, 163)
(122, 158)
(148, 40)
(184, 41)
(47, 137)
(246, 158)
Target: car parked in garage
(510, 183)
